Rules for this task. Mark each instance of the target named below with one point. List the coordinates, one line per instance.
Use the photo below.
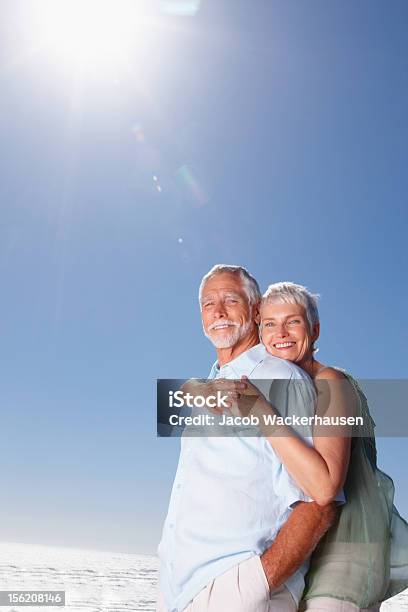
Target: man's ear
(315, 332)
(257, 314)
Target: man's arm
(296, 540)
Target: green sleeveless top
(363, 558)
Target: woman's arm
(320, 471)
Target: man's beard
(230, 338)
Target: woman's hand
(251, 400)
(230, 390)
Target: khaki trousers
(243, 588)
(330, 604)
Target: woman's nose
(281, 330)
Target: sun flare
(91, 34)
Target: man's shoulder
(274, 367)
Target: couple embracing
(279, 521)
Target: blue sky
(267, 134)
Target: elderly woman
(363, 558)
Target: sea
(93, 581)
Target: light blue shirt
(230, 495)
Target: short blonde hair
(291, 293)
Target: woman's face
(285, 331)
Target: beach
(93, 581)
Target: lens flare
(137, 129)
(191, 186)
(186, 8)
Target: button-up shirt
(231, 495)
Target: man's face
(225, 310)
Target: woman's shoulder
(330, 373)
(335, 373)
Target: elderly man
(239, 530)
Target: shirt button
(178, 486)
(171, 525)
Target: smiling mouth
(223, 326)
(284, 345)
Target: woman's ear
(315, 332)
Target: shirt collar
(244, 364)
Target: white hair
(249, 284)
(291, 293)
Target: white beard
(230, 338)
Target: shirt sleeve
(287, 489)
(294, 397)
